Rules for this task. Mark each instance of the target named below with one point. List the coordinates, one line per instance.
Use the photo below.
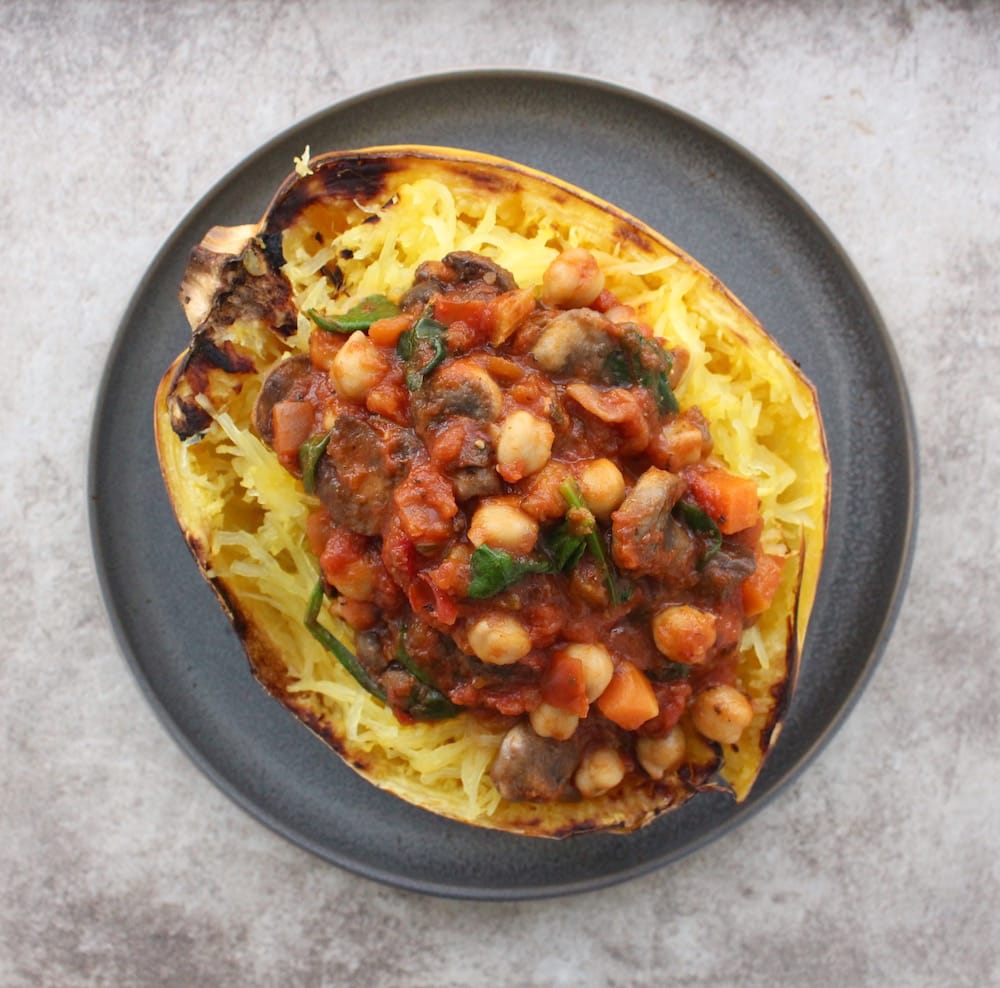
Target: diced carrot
(563, 684)
(292, 422)
(386, 332)
(730, 501)
(762, 584)
(323, 347)
(390, 399)
(470, 311)
(629, 699)
(506, 312)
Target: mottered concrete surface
(122, 864)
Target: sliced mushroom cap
(645, 537)
(574, 342)
(359, 471)
(458, 388)
(459, 269)
(474, 267)
(530, 768)
(277, 386)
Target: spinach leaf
(361, 316)
(669, 672)
(698, 521)
(644, 362)
(426, 330)
(494, 570)
(310, 453)
(339, 651)
(564, 547)
(426, 701)
(588, 530)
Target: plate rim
(804, 757)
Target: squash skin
(236, 270)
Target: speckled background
(121, 864)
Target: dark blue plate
(721, 205)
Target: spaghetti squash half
(508, 498)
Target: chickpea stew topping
(519, 520)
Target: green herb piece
(342, 654)
(669, 672)
(310, 453)
(573, 497)
(426, 701)
(698, 521)
(360, 317)
(644, 362)
(494, 570)
(426, 330)
(564, 547)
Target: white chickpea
(524, 445)
(721, 713)
(499, 639)
(661, 756)
(572, 280)
(684, 633)
(502, 525)
(553, 722)
(598, 669)
(357, 367)
(599, 771)
(603, 487)
(620, 313)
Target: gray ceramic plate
(706, 194)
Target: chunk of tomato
(563, 684)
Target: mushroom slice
(645, 537)
(530, 768)
(278, 384)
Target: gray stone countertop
(122, 864)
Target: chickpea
(355, 579)
(661, 756)
(620, 313)
(600, 770)
(721, 713)
(684, 633)
(359, 614)
(598, 668)
(357, 367)
(502, 525)
(524, 446)
(499, 639)
(553, 722)
(572, 280)
(603, 487)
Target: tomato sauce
(545, 431)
